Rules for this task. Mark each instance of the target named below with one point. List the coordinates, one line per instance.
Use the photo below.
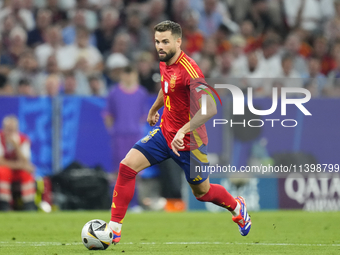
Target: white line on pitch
(15, 243)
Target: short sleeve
(26, 150)
(2, 151)
(199, 87)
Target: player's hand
(24, 165)
(177, 143)
(11, 140)
(153, 118)
(28, 166)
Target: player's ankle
(115, 226)
(236, 211)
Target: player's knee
(127, 161)
(130, 162)
(199, 193)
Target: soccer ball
(96, 235)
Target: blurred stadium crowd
(80, 47)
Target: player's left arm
(197, 121)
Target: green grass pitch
(273, 232)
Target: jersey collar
(180, 57)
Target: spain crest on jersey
(173, 81)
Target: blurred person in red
(15, 165)
(193, 38)
(248, 32)
(321, 50)
(292, 46)
(222, 39)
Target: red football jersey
(9, 152)
(179, 83)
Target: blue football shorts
(154, 147)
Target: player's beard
(167, 56)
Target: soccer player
(181, 135)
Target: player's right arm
(22, 162)
(153, 115)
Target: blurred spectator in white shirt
(81, 55)
(52, 45)
(308, 14)
(22, 16)
(289, 77)
(270, 60)
(238, 44)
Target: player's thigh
(152, 149)
(6, 174)
(23, 176)
(199, 190)
(136, 160)
(194, 164)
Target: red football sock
(218, 195)
(123, 192)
